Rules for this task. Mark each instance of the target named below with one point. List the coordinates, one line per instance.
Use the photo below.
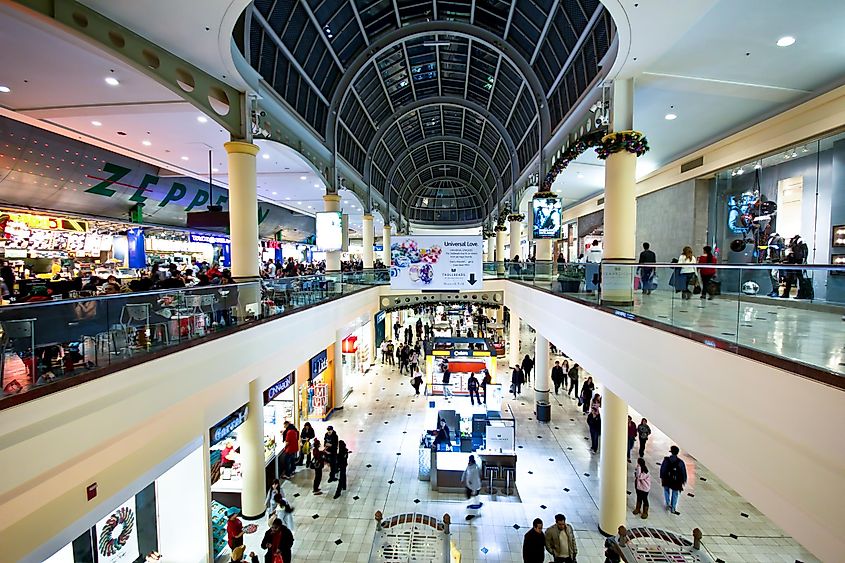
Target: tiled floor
(382, 423)
(810, 336)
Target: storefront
(381, 330)
(316, 387)
(166, 516)
(786, 204)
(279, 406)
(356, 349)
(462, 357)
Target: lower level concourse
(382, 421)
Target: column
(388, 325)
(491, 250)
(251, 441)
(515, 234)
(513, 348)
(243, 222)
(613, 464)
(544, 267)
(620, 204)
(338, 369)
(367, 226)
(385, 237)
(331, 202)
(500, 251)
(542, 376)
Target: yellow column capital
(331, 197)
(367, 217)
(387, 227)
(241, 147)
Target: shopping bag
(277, 558)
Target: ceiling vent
(689, 165)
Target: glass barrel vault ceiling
(437, 84)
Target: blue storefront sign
(211, 239)
(319, 364)
(222, 429)
(279, 387)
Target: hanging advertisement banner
(117, 535)
(436, 263)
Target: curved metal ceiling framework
(465, 174)
(442, 200)
(375, 77)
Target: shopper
(586, 394)
(342, 462)
(278, 539)
(443, 436)
(594, 424)
(527, 366)
(632, 435)
(291, 451)
(487, 380)
(534, 544)
(391, 354)
(647, 256)
(471, 480)
(275, 501)
(642, 485)
(305, 436)
(595, 404)
(643, 431)
(472, 386)
(234, 527)
(557, 376)
(515, 381)
(560, 541)
(447, 387)
(317, 464)
(330, 441)
(573, 381)
(707, 274)
(416, 381)
(673, 477)
(685, 272)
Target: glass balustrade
(64, 342)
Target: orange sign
(48, 223)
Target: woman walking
(686, 272)
(471, 480)
(642, 485)
(586, 394)
(342, 462)
(707, 274)
(317, 464)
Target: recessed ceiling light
(265, 156)
(299, 203)
(184, 158)
(316, 185)
(112, 81)
(274, 193)
(670, 116)
(5, 89)
(786, 41)
(309, 207)
(287, 198)
(215, 170)
(202, 119)
(96, 123)
(146, 143)
(303, 177)
(580, 174)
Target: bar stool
(510, 476)
(491, 474)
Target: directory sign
(436, 262)
(547, 217)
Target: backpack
(673, 472)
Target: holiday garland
(605, 145)
(515, 217)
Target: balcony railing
(52, 345)
(787, 315)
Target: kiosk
(461, 356)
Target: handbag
(277, 558)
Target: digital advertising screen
(548, 214)
(329, 231)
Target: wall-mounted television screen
(547, 213)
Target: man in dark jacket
(472, 387)
(647, 256)
(573, 380)
(673, 477)
(330, 446)
(534, 544)
(516, 380)
(277, 538)
(557, 376)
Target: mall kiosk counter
(462, 356)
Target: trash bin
(544, 412)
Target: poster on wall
(436, 263)
(117, 535)
(547, 212)
(329, 231)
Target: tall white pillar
(500, 251)
(515, 234)
(388, 325)
(491, 250)
(331, 202)
(243, 210)
(367, 226)
(373, 349)
(251, 441)
(386, 245)
(613, 464)
(513, 348)
(339, 395)
(542, 371)
(544, 267)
